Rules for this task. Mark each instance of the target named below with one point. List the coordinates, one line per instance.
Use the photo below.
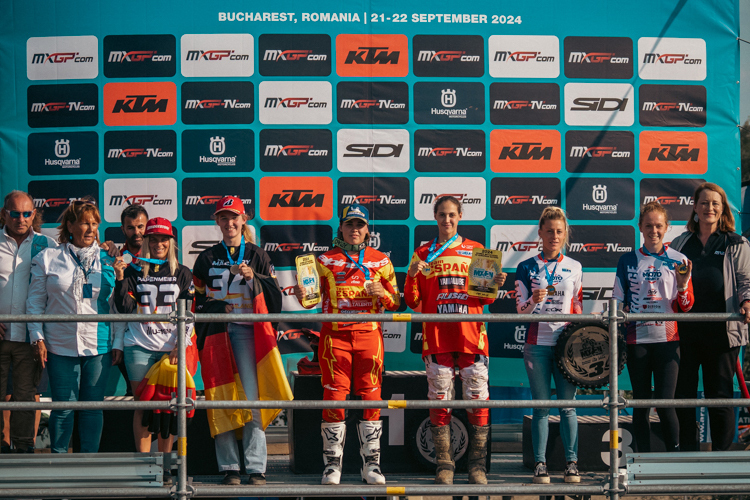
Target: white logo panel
(517, 243)
(158, 196)
(227, 54)
(672, 58)
(394, 337)
(597, 290)
(367, 150)
(62, 57)
(521, 56)
(470, 191)
(196, 239)
(600, 104)
(291, 103)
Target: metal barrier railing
(181, 404)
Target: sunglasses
(14, 214)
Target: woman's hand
(539, 295)
(299, 292)
(40, 352)
(119, 267)
(500, 278)
(116, 357)
(683, 279)
(417, 267)
(110, 247)
(375, 289)
(246, 272)
(173, 357)
(228, 308)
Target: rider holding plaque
(654, 279)
(550, 283)
(437, 282)
(354, 279)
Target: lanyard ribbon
(86, 272)
(550, 276)
(239, 256)
(135, 266)
(664, 258)
(432, 254)
(359, 264)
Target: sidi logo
(140, 103)
(372, 55)
(296, 198)
(373, 150)
(600, 104)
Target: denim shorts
(138, 361)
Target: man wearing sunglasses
(19, 243)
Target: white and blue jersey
(566, 276)
(648, 285)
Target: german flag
(219, 371)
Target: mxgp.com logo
(522, 56)
(118, 200)
(597, 57)
(293, 55)
(446, 56)
(211, 200)
(463, 198)
(61, 58)
(597, 152)
(212, 55)
(215, 55)
(518, 246)
(129, 56)
(293, 102)
(672, 58)
(293, 150)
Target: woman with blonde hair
(721, 275)
(550, 283)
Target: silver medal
(127, 258)
(235, 269)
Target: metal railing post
(614, 400)
(181, 403)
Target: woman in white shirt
(74, 278)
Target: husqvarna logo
(599, 193)
(448, 98)
(217, 146)
(62, 148)
(520, 334)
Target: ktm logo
(297, 198)
(140, 103)
(673, 152)
(525, 150)
(372, 55)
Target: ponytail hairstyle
(556, 213)
(653, 206)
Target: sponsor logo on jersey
(294, 55)
(296, 198)
(676, 195)
(600, 198)
(217, 102)
(63, 153)
(515, 198)
(385, 198)
(449, 151)
(212, 55)
(296, 150)
(157, 195)
(600, 104)
(470, 191)
(673, 152)
(201, 195)
(70, 105)
(140, 103)
(62, 58)
(137, 56)
(218, 150)
(291, 102)
(536, 151)
(53, 197)
(448, 55)
(525, 103)
(369, 102)
(598, 57)
(599, 151)
(672, 105)
(373, 150)
(454, 103)
(140, 151)
(285, 243)
(371, 55)
(600, 246)
(522, 56)
(671, 58)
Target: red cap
(159, 225)
(231, 203)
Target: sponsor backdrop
(301, 108)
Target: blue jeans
(242, 339)
(541, 368)
(82, 378)
(138, 361)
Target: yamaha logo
(217, 146)
(62, 148)
(448, 98)
(599, 193)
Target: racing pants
(474, 373)
(351, 358)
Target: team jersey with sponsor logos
(566, 275)
(156, 293)
(215, 286)
(648, 285)
(342, 286)
(443, 290)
